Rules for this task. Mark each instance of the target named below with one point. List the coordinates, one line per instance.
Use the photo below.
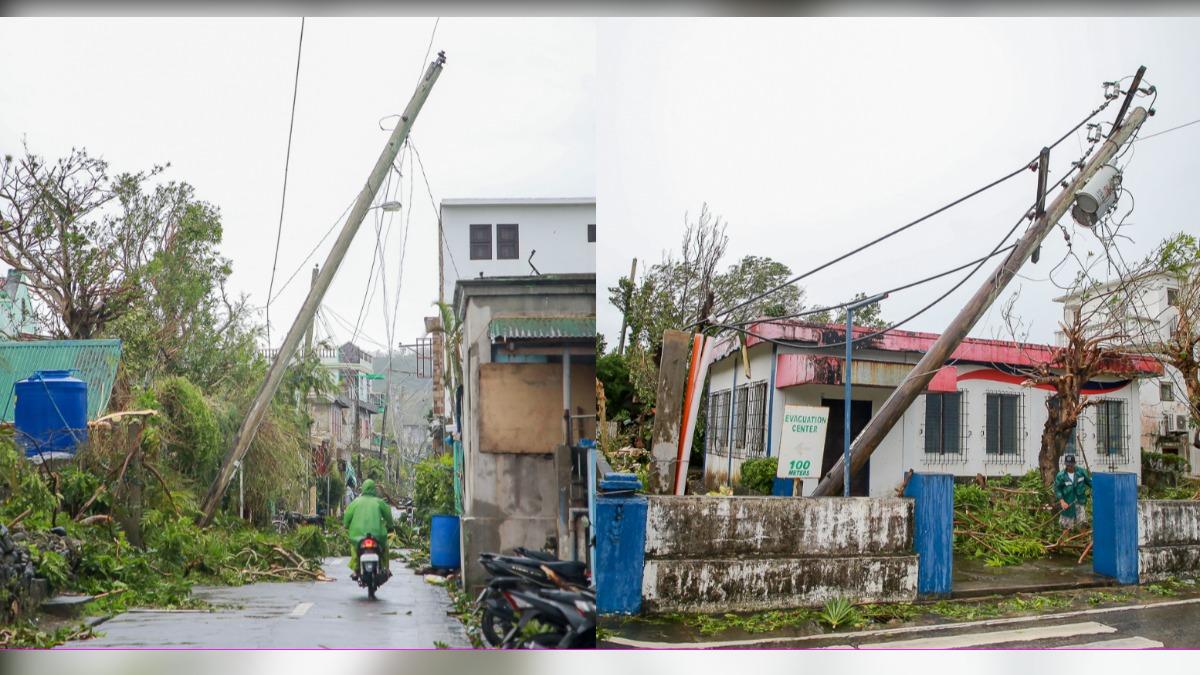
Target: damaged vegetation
(136, 257)
(841, 616)
(1009, 520)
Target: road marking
(783, 643)
(1120, 643)
(995, 637)
(302, 609)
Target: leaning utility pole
(916, 381)
(625, 311)
(270, 385)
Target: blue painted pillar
(782, 487)
(1115, 526)
(933, 531)
(620, 548)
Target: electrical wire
(902, 228)
(436, 210)
(1167, 131)
(897, 289)
(286, 166)
(1061, 181)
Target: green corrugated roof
(93, 361)
(525, 328)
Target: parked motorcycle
(535, 585)
(565, 619)
(371, 574)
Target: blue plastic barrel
(50, 415)
(444, 543)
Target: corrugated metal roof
(93, 361)
(525, 328)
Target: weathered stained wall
(751, 553)
(765, 527)
(1168, 539)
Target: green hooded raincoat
(367, 514)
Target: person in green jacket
(368, 514)
(1071, 488)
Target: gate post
(1115, 526)
(933, 531)
(620, 545)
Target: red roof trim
(973, 350)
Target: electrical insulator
(1093, 133)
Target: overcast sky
(511, 116)
(812, 136)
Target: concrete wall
(1168, 539)
(903, 447)
(557, 231)
(751, 553)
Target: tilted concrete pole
(262, 401)
(895, 405)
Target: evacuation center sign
(803, 443)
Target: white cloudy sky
(812, 136)
(512, 115)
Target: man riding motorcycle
(368, 514)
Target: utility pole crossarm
(916, 381)
(262, 401)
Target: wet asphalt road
(409, 613)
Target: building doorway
(860, 414)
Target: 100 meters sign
(803, 443)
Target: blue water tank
(51, 413)
(444, 542)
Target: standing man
(1071, 487)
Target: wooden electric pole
(258, 409)
(918, 379)
(625, 311)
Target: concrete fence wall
(752, 553)
(1168, 539)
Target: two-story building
(1143, 311)
(976, 417)
(506, 237)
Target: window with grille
(945, 425)
(740, 417)
(591, 234)
(717, 426)
(1166, 393)
(1173, 297)
(756, 419)
(507, 242)
(1111, 437)
(481, 242)
(1004, 430)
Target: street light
(848, 387)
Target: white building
(515, 237)
(1148, 315)
(975, 418)
(507, 237)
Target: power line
(436, 210)
(927, 307)
(897, 289)
(287, 161)
(428, 48)
(1167, 131)
(315, 248)
(908, 225)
